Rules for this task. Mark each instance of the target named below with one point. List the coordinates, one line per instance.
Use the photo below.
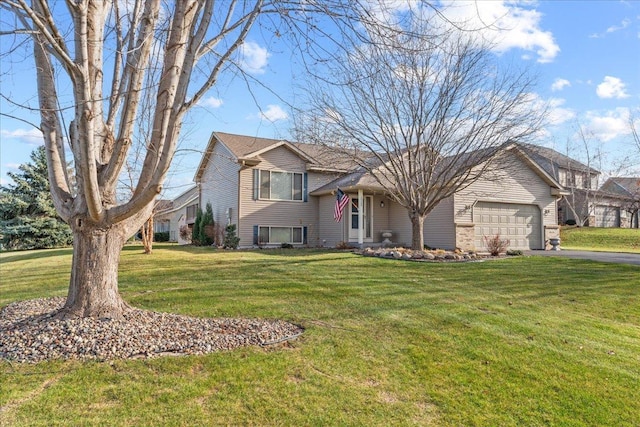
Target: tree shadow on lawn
(33, 254)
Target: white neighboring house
(277, 192)
(179, 212)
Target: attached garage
(520, 223)
(607, 216)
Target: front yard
(516, 341)
(601, 239)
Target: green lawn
(600, 239)
(521, 341)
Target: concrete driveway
(615, 257)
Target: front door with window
(367, 220)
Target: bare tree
(102, 53)
(634, 124)
(424, 111)
(582, 183)
(80, 45)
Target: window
(192, 211)
(161, 226)
(277, 235)
(274, 185)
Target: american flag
(341, 201)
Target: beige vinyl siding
(439, 228)
(399, 224)
(219, 185)
(279, 213)
(330, 233)
(516, 184)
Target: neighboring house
(278, 192)
(585, 203)
(174, 214)
(627, 188)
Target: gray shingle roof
(550, 160)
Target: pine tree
(207, 226)
(28, 219)
(196, 238)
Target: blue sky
(586, 55)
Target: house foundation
(465, 237)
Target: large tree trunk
(417, 228)
(93, 288)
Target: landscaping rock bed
(30, 333)
(426, 255)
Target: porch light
(382, 203)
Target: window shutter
(256, 184)
(255, 235)
(304, 234)
(305, 180)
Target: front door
(367, 220)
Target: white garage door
(607, 216)
(520, 224)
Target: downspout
(360, 218)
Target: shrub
(231, 241)
(185, 233)
(286, 246)
(495, 244)
(343, 245)
(514, 252)
(570, 222)
(161, 236)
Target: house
(277, 192)
(586, 203)
(179, 212)
(627, 188)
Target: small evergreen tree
(203, 227)
(28, 219)
(231, 241)
(207, 224)
(195, 237)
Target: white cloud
(560, 84)
(611, 87)
(557, 113)
(624, 24)
(610, 125)
(254, 58)
(507, 24)
(211, 102)
(274, 113)
(612, 29)
(31, 136)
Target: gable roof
(624, 186)
(551, 160)
(362, 179)
(183, 199)
(248, 149)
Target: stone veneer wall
(465, 237)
